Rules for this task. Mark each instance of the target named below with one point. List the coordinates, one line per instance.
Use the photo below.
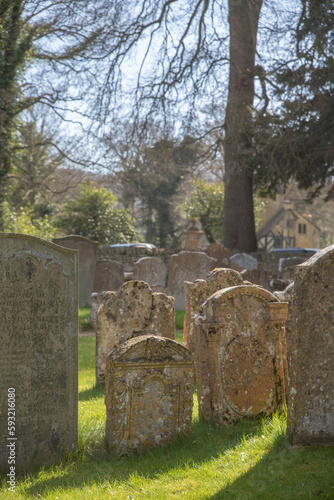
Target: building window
(302, 228)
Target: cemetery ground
(254, 459)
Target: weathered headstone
(311, 397)
(220, 253)
(88, 251)
(244, 261)
(197, 293)
(149, 393)
(243, 354)
(95, 302)
(39, 352)
(109, 275)
(152, 270)
(187, 266)
(131, 312)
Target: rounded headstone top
(150, 348)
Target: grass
(179, 318)
(84, 320)
(252, 460)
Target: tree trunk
(239, 225)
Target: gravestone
(243, 261)
(95, 302)
(197, 293)
(220, 253)
(149, 393)
(88, 251)
(39, 351)
(152, 270)
(311, 398)
(187, 266)
(109, 275)
(131, 312)
(243, 354)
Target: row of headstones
(97, 274)
(236, 333)
(235, 330)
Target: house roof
(280, 214)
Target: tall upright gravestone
(38, 351)
(311, 397)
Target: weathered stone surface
(311, 397)
(286, 266)
(289, 295)
(187, 266)
(131, 312)
(38, 350)
(197, 293)
(149, 393)
(242, 354)
(152, 270)
(95, 302)
(220, 253)
(88, 251)
(244, 261)
(109, 275)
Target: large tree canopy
(190, 54)
(298, 141)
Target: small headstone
(187, 266)
(244, 261)
(88, 251)
(39, 350)
(243, 351)
(220, 253)
(311, 397)
(152, 270)
(95, 302)
(149, 394)
(131, 312)
(109, 275)
(286, 266)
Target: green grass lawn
(252, 460)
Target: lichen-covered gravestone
(149, 393)
(311, 397)
(243, 353)
(133, 311)
(38, 350)
(187, 266)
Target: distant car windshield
(295, 250)
(146, 245)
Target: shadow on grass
(205, 443)
(94, 392)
